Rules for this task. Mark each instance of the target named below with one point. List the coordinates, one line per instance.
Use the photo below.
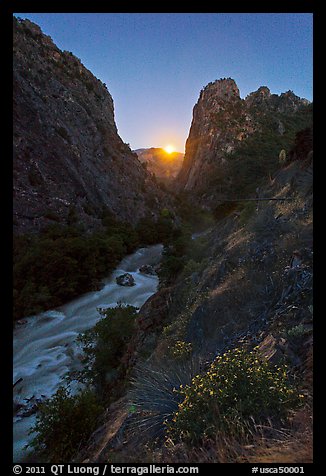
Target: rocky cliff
(68, 157)
(223, 123)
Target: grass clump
(239, 391)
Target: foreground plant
(104, 346)
(64, 422)
(240, 390)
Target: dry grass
(267, 445)
(294, 446)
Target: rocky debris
(261, 252)
(276, 350)
(125, 279)
(69, 161)
(147, 269)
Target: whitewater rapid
(45, 348)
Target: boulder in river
(147, 269)
(125, 280)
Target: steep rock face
(68, 156)
(207, 137)
(221, 122)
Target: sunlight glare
(169, 149)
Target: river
(45, 349)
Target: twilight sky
(155, 64)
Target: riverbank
(45, 347)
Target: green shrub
(147, 231)
(105, 344)
(296, 334)
(257, 156)
(247, 212)
(72, 216)
(181, 253)
(68, 261)
(191, 267)
(239, 389)
(64, 422)
(165, 213)
(194, 215)
(170, 267)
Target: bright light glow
(169, 149)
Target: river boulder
(147, 269)
(125, 279)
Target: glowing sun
(169, 149)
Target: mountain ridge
(223, 124)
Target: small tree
(104, 346)
(63, 423)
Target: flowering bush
(181, 349)
(239, 389)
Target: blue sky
(155, 64)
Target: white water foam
(45, 345)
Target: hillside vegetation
(64, 260)
(217, 366)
